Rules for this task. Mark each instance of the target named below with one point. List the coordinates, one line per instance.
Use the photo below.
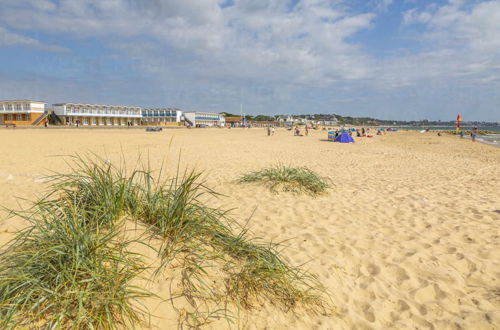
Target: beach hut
(344, 138)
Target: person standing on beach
(272, 130)
(473, 134)
(268, 130)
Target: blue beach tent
(344, 138)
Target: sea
(491, 139)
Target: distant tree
(264, 118)
(227, 114)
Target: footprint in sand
(396, 274)
(402, 306)
(370, 270)
(429, 293)
(365, 309)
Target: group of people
(363, 132)
(297, 132)
(473, 134)
(359, 133)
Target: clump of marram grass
(288, 179)
(71, 269)
(66, 271)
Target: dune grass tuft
(72, 267)
(288, 179)
(66, 270)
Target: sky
(388, 59)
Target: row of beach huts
(36, 113)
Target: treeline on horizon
(347, 120)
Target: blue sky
(388, 59)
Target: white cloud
(10, 39)
(462, 39)
(307, 43)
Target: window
(18, 107)
(9, 107)
(27, 106)
(19, 117)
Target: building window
(9, 107)
(18, 107)
(27, 106)
(19, 117)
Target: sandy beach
(408, 238)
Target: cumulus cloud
(306, 42)
(461, 38)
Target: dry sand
(408, 238)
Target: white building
(22, 112)
(98, 115)
(196, 119)
(161, 117)
(332, 122)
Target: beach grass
(72, 267)
(66, 270)
(289, 179)
(209, 244)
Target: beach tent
(344, 138)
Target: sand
(408, 238)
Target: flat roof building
(197, 118)
(98, 115)
(161, 117)
(23, 112)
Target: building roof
(17, 101)
(98, 105)
(159, 109)
(233, 119)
